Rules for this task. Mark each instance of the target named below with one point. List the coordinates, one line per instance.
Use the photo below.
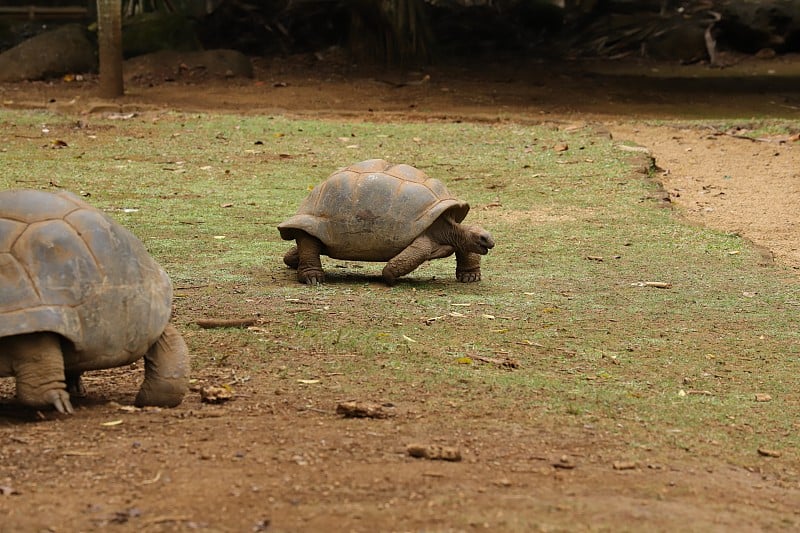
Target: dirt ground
(280, 460)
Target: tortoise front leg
(468, 267)
(166, 371)
(37, 363)
(309, 265)
(410, 258)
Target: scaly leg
(468, 267)
(166, 371)
(309, 265)
(410, 258)
(38, 366)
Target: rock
(62, 51)
(361, 410)
(434, 452)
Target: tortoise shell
(372, 210)
(67, 268)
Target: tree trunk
(109, 40)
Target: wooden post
(109, 39)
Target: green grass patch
(562, 296)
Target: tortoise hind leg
(166, 371)
(309, 265)
(37, 363)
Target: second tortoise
(377, 211)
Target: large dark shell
(372, 210)
(66, 267)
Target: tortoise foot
(161, 393)
(311, 277)
(468, 276)
(60, 400)
(166, 371)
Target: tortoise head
(478, 240)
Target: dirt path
(730, 182)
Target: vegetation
(598, 308)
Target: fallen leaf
(215, 394)
(464, 360)
(408, 339)
(561, 147)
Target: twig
(208, 323)
(507, 363)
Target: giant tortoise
(377, 211)
(79, 292)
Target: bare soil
(279, 458)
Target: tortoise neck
(448, 231)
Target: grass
(672, 369)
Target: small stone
(763, 397)
(361, 410)
(766, 452)
(624, 465)
(434, 452)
